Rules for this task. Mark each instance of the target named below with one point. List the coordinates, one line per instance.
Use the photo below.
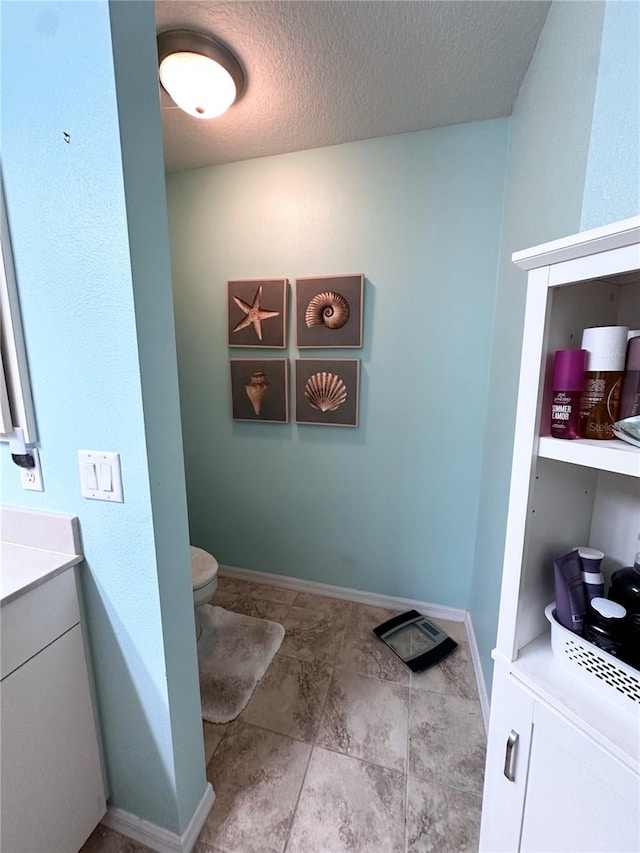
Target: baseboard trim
(375, 599)
(157, 837)
(477, 668)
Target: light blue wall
(88, 230)
(558, 143)
(133, 36)
(391, 506)
(612, 186)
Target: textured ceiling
(320, 73)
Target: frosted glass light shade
(197, 84)
(200, 74)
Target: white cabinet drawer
(50, 773)
(35, 619)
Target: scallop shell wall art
(327, 391)
(329, 311)
(260, 389)
(256, 388)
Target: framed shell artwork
(260, 389)
(327, 391)
(257, 312)
(329, 311)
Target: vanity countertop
(35, 547)
(24, 568)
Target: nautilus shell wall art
(256, 388)
(329, 311)
(260, 389)
(325, 391)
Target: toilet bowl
(204, 579)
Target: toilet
(204, 579)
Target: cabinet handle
(510, 756)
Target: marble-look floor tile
(105, 840)
(235, 586)
(363, 653)
(274, 611)
(290, 697)
(202, 847)
(348, 806)
(366, 718)
(456, 630)
(458, 669)
(338, 608)
(368, 617)
(454, 675)
(213, 734)
(223, 599)
(256, 778)
(446, 740)
(311, 635)
(440, 819)
(273, 593)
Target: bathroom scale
(416, 641)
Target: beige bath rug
(234, 653)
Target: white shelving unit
(563, 758)
(615, 456)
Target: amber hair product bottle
(606, 348)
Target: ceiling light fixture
(200, 75)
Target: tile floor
(341, 748)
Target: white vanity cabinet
(563, 758)
(52, 791)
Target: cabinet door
(51, 778)
(505, 781)
(580, 799)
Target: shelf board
(586, 707)
(602, 239)
(616, 456)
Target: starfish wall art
(257, 313)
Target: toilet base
(196, 613)
(207, 633)
(199, 613)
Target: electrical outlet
(31, 478)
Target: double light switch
(100, 475)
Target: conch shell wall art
(329, 311)
(327, 391)
(257, 312)
(256, 388)
(260, 389)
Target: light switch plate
(31, 478)
(92, 475)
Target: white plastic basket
(593, 665)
